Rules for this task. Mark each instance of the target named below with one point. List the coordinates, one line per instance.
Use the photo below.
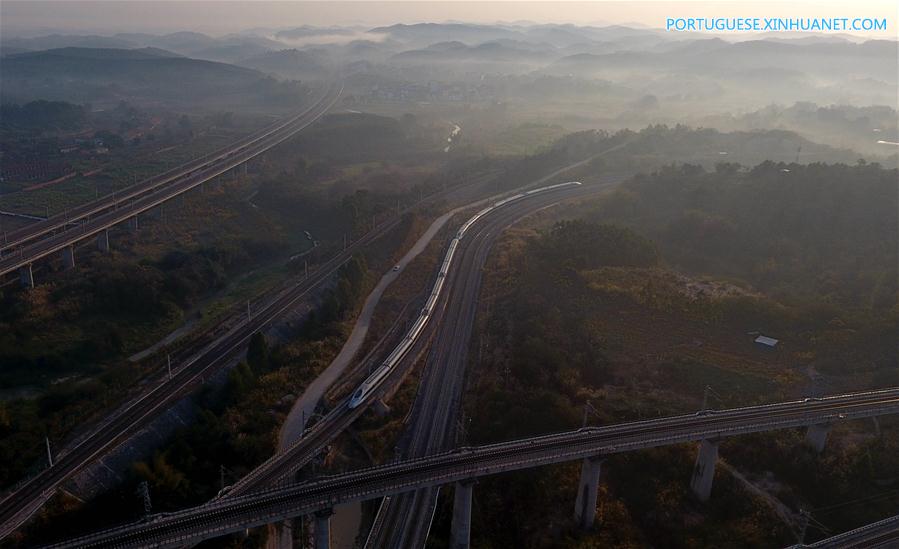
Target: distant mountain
(86, 75)
(310, 32)
(96, 53)
(422, 34)
(293, 63)
(682, 70)
(229, 53)
(716, 56)
(230, 48)
(690, 47)
(365, 50)
(11, 50)
(493, 51)
(184, 41)
(54, 41)
(561, 36)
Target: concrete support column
(585, 503)
(26, 276)
(460, 537)
(103, 241)
(245, 167)
(816, 436)
(68, 257)
(323, 529)
(133, 223)
(704, 470)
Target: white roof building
(767, 341)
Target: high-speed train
(374, 380)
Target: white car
(396, 268)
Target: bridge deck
(233, 515)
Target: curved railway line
(282, 465)
(28, 497)
(244, 507)
(404, 520)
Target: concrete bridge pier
(704, 470)
(26, 276)
(585, 503)
(816, 436)
(68, 258)
(103, 241)
(133, 223)
(460, 537)
(245, 168)
(322, 530)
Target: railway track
(29, 496)
(19, 505)
(405, 520)
(883, 534)
(235, 514)
(280, 467)
(115, 210)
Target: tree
(240, 380)
(168, 484)
(583, 245)
(258, 353)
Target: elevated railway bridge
(60, 233)
(463, 466)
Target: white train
(374, 380)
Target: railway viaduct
(59, 234)
(463, 466)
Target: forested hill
(819, 230)
(89, 74)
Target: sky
(34, 17)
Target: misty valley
(341, 275)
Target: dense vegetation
(117, 297)
(42, 115)
(820, 238)
(145, 75)
(112, 306)
(779, 227)
(656, 146)
(237, 422)
(64, 344)
(726, 223)
(598, 312)
(539, 384)
(845, 124)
